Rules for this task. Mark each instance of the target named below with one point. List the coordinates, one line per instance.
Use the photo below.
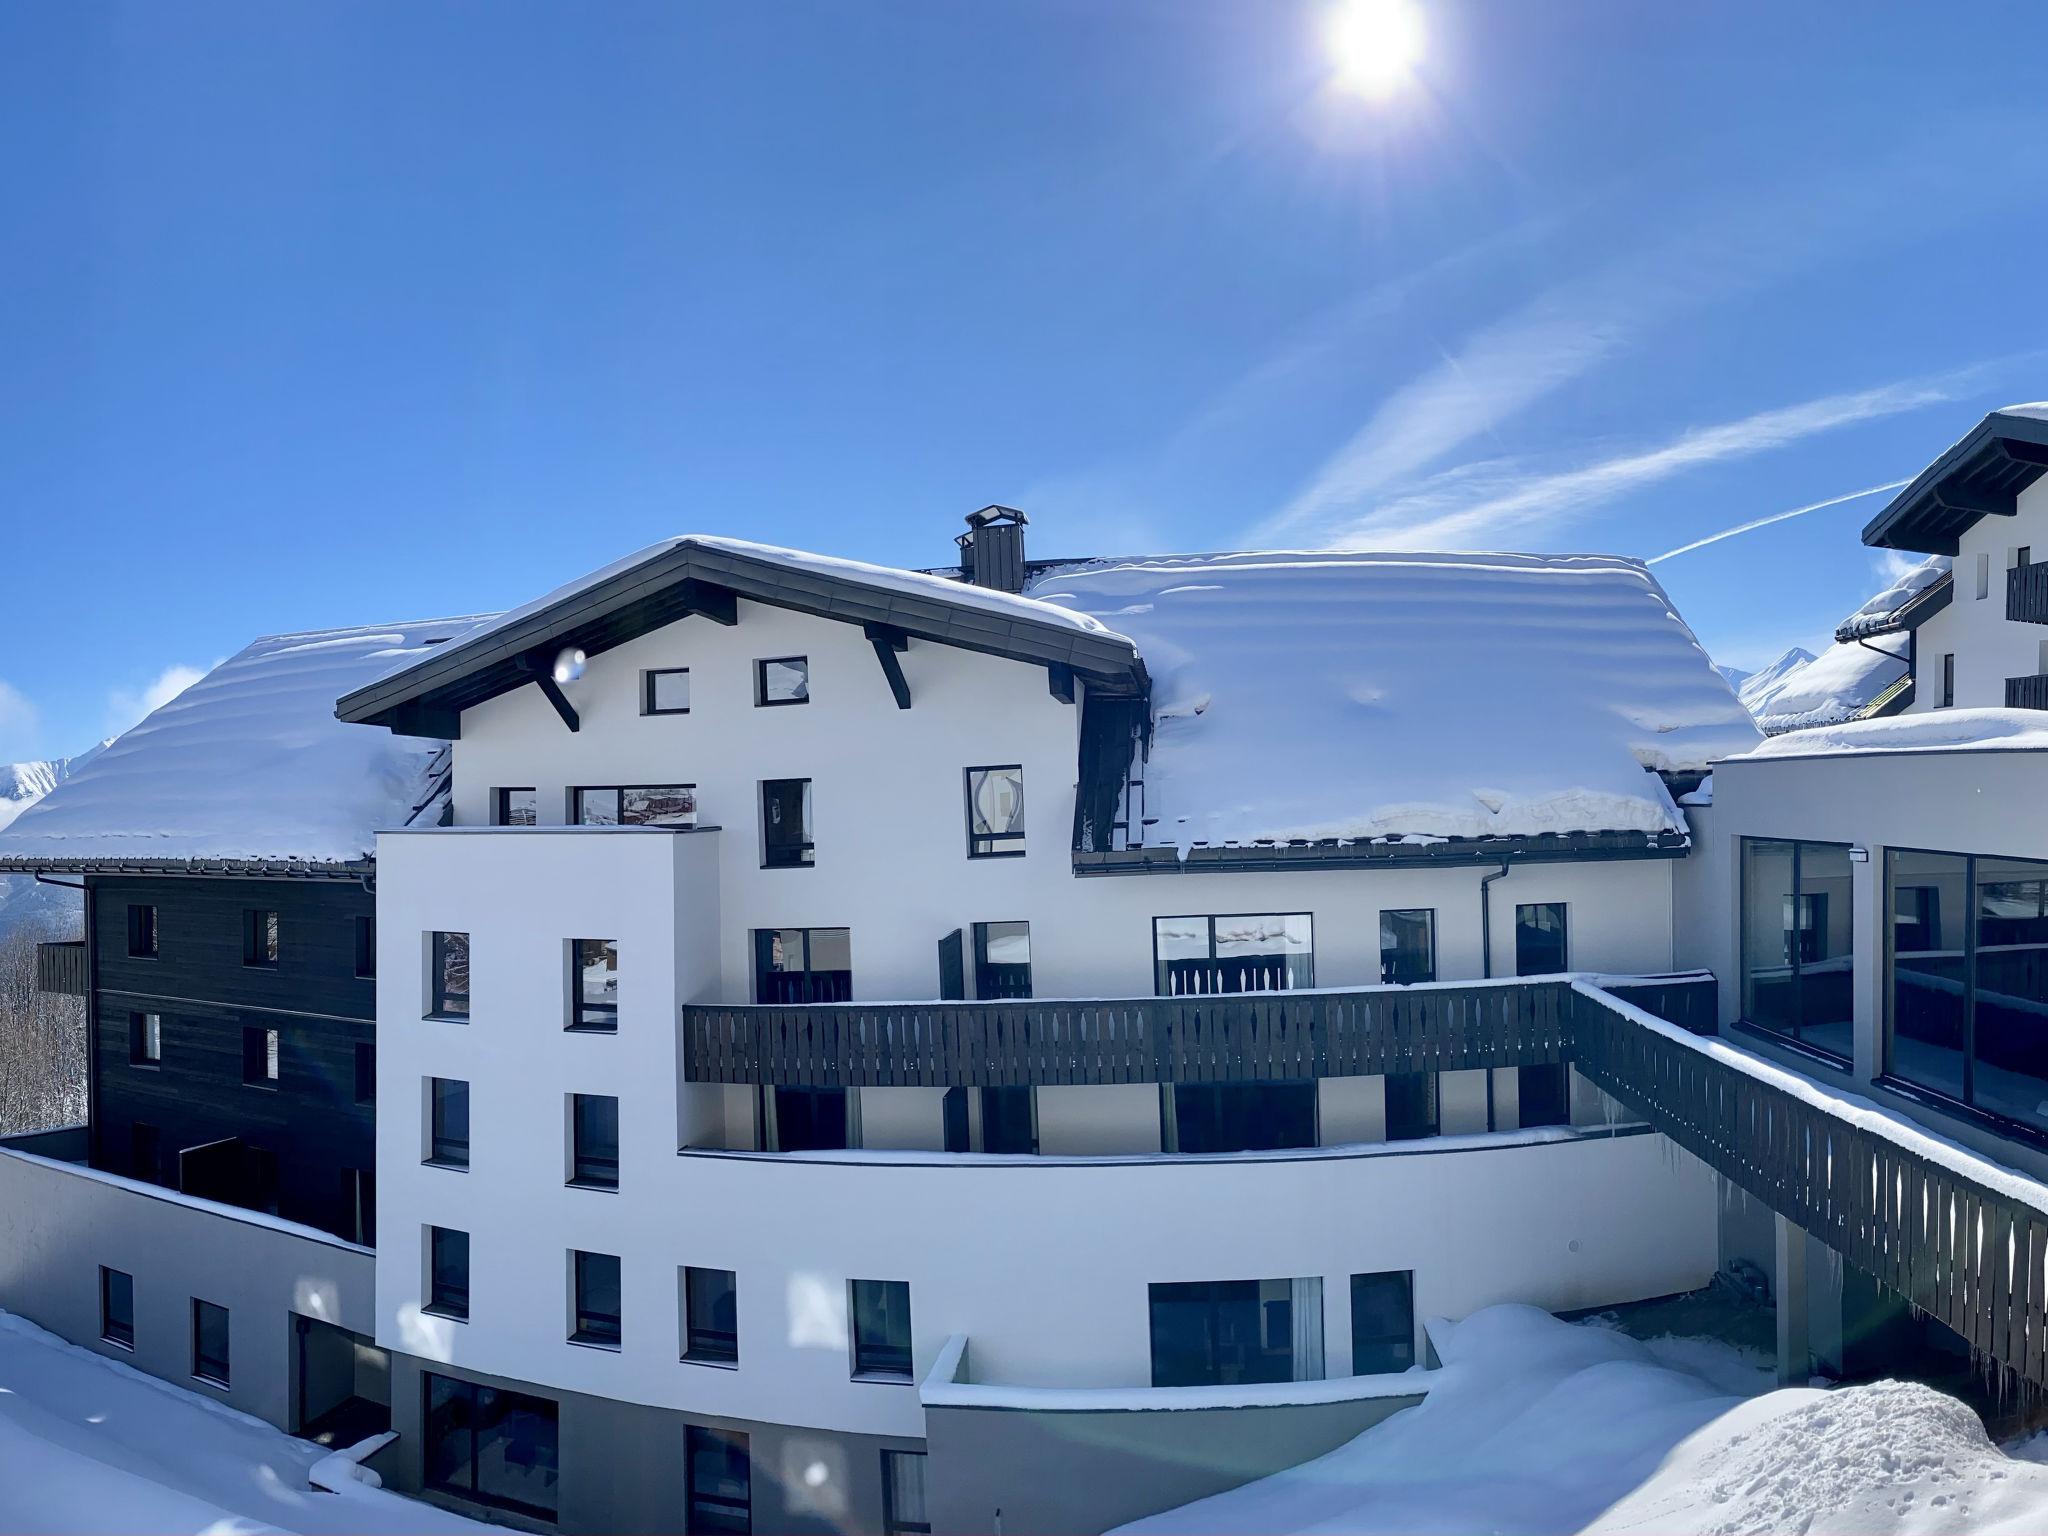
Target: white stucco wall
(1988, 647)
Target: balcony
(60, 968)
(2027, 692)
(2026, 594)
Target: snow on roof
(1941, 730)
(248, 764)
(1881, 614)
(1837, 685)
(1357, 695)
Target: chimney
(992, 549)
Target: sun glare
(1375, 44)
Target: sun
(1375, 44)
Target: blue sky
(329, 314)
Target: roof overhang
(1908, 616)
(1981, 476)
(211, 868)
(692, 579)
(1548, 848)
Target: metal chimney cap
(995, 514)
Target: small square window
(593, 1141)
(665, 692)
(259, 1057)
(210, 1342)
(597, 1320)
(515, 807)
(146, 1039)
(782, 680)
(995, 812)
(448, 1273)
(259, 938)
(594, 985)
(881, 1329)
(142, 943)
(117, 1307)
(447, 1122)
(366, 946)
(786, 824)
(711, 1327)
(450, 978)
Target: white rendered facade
(1987, 646)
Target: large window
(1229, 1332)
(1259, 952)
(711, 1316)
(493, 1446)
(448, 1122)
(597, 1315)
(903, 1507)
(1005, 1120)
(448, 1272)
(1243, 1117)
(594, 985)
(1408, 945)
(1002, 960)
(812, 1119)
(786, 835)
(803, 965)
(881, 1329)
(145, 1039)
(634, 805)
(515, 806)
(721, 1482)
(210, 1342)
(995, 812)
(1539, 939)
(1382, 1322)
(449, 979)
(117, 1307)
(594, 1141)
(1543, 1094)
(1411, 1105)
(1798, 943)
(1969, 980)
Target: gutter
(1486, 925)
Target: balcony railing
(2027, 692)
(60, 968)
(2026, 593)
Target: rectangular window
(145, 1151)
(812, 1120)
(721, 1482)
(1382, 1322)
(259, 1057)
(448, 1273)
(145, 1039)
(782, 680)
(594, 977)
(1209, 1333)
(1408, 945)
(366, 946)
(1948, 680)
(259, 938)
(803, 965)
(597, 1300)
(786, 840)
(117, 1307)
(1260, 952)
(493, 1446)
(903, 1506)
(448, 1122)
(359, 1191)
(142, 932)
(210, 1342)
(711, 1316)
(665, 691)
(515, 806)
(1540, 939)
(881, 1329)
(634, 805)
(1798, 943)
(1002, 960)
(1243, 1117)
(594, 1133)
(1411, 1105)
(366, 1072)
(450, 962)
(1008, 1123)
(995, 812)
(1983, 575)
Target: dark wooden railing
(2026, 593)
(60, 968)
(2029, 692)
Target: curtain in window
(1307, 1307)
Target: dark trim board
(1980, 476)
(1558, 848)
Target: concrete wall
(59, 1223)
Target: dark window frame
(366, 1072)
(649, 686)
(447, 1296)
(1948, 680)
(501, 805)
(366, 946)
(1385, 1352)
(1408, 912)
(1564, 935)
(1212, 919)
(578, 791)
(202, 1362)
(589, 1167)
(704, 1343)
(139, 1052)
(585, 1017)
(894, 1523)
(444, 1149)
(992, 845)
(262, 938)
(262, 1065)
(476, 1396)
(589, 1325)
(812, 992)
(788, 853)
(113, 1330)
(999, 980)
(145, 937)
(1796, 957)
(883, 1359)
(712, 1512)
(761, 666)
(443, 1003)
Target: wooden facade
(61, 968)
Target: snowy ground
(1538, 1426)
(89, 1445)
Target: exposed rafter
(1973, 505)
(543, 673)
(1060, 680)
(890, 643)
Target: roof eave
(1909, 615)
(1984, 473)
(1547, 848)
(237, 868)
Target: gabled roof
(1981, 476)
(698, 574)
(247, 771)
(1906, 604)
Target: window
(903, 1507)
(786, 823)
(721, 1484)
(366, 946)
(1539, 939)
(448, 1122)
(493, 1446)
(782, 680)
(634, 805)
(1232, 1332)
(812, 1120)
(450, 977)
(1411, 1105)
(145, 1151)
(210, 1342)
(711, 1322)
(1543, 1095)
(259, 938)
(594, 1141)
(1968, 984)
(1408, 945)
(1948, 680)
(1009, 1121)
(881, 1329)
(1983, 575)
(1242, 1117)
(1002, 960)
(515, 806)
(259, 1057)
(594, 983)
(1382, 1322)
(1798, 943)
(117, 1307)
(1257, 953)
(665, 692)
(145, 1039)
(596, 1278)
(448, 1273)
(359, 1192)
(995, 812)
(142, 932)
(366, 1072)
(803, 965)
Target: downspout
(1486, 920)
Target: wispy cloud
(126, 707)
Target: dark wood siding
(309, 1121)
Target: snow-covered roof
(247, 767)
(1942, 730)
(1894, 608)
(1839, 684)
(1357, 696)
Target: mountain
(22, 897)
(1735, 675)
(1757, 689)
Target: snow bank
(248, 763)
(1837, 685)
(1955, 730)
(1879, 616)
(1355, 696)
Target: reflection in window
(665, 692)
(1798, 948)
(1408, 946)
(494, 1446)
(515, 807)
(881, 1329)
(451, 976)
(786, 837)
(803, 965)
(782, 680)
(1271, 952)
(1539, 938)
(1232, 1332)
(447, 1272)
(995, 811)
(1002, 960)
(721, 1482)
(711, 1322)
(594, 975)
(598, 1314)
(636, 805)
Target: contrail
(1776, 517)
